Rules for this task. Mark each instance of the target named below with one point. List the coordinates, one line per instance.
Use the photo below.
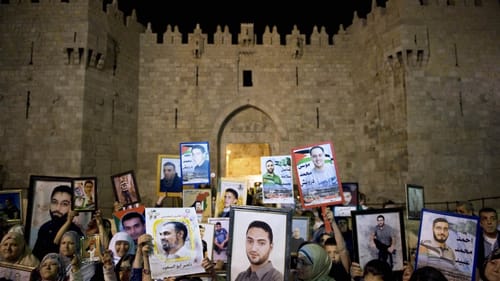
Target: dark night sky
(209, 14)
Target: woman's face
(370, 277)
(121, 248)
(10, 250)
(49, 269)
(304, 268)
(67, 247)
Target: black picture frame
(278, 219)
(414, 201)
(190, 174)
(345, 210)
(459, 255)
(363, 225)
(15, 214)
(82, 200)
(301, 224)
(127, 177)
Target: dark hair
(487, 210)
(427, 273)
(169, 164)
(316, 146)
(264, 226)
(380, 216)
(436, 220)
(179, 226)
(331, 241)
(62, 189)
(131, 215)
(232, 191)
(218, 223)
(89, 181)
(379, 268)
(200, 147)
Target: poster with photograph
(12, 203)
(300, 233)
(177, 245)
(207, 239)
(125, 188)
(91, 248)
(85, 194)
(195, 163)
(414, 201)
(168, 173)
(232, 192)
(277, 179)
(220, 238)
(319, 183)
(200, 199)
(350, 191)
(448, 241)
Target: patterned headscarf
(121, 236)
(26, 257)
(318, 257)
(61, 273)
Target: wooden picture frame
(84, 194)
(350, 192)
(299, 233)
(125, 188)
(317, 189)
(12, 271)
(414, 201)
(173, 165)
(200, 199)
(456, 256)
(364, 224)
(221, 232)
(12, 202)
(39, 204)
(90, 248)
(195, 163)
(277, 187)
(249, 224)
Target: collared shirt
(265, 273)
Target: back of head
(428, 273)
(379, 268)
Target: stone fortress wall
(408, 95)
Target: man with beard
(60, 207)
(435, 252)
(259, 243)
(383, 238)
(173, 236)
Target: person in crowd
(436, 251)
(465, 208)
(120, 245)
(321, 175)
(427, 273)
(340, 267)
(296, 240)
(69, 249)
(230, 199)
(382, 238)
(313, 263)
(201, 165)
(362, 202)
(15, 250)
(173, 235)
(343, 224)
(52, 268)
(221, 237)
(101, 226)
(60, 215)
(258, 246)
(134, 224)
(171, 182)
(374, 270)
(489, 237)
(490, 269)
(270, 178)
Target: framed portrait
(453, 252)
(232, 192)
(254, 226)
(200, 199)
(318, 179)
(12, 202)
(125, 188)
(207, 238)
(91, 248)
(414, 201)
(300, 233)
(84, 194)
(168, 177)
(350, 191)
(167, 260)
(384, 229)
(10, 271)
(40, 194)
(195, 163)
(220, 239)
(118, 216)
(277, 179)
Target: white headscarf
(121, 236)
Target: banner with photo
(277, 179)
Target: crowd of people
(328, 255)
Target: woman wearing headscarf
(52, 268)
(313, 263)
(13, 249)
(121, 244)
(69, 248)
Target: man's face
(342, 225)
(134, 227)
(124, 182)
(198, 206)
(198, 156)
(169, 171)
(347, 197)
(229, 199)
(380, 222)
(202, 232)
(60, 204)
(258, 246)
(270, 167)
(333, 253)
(440, 232)
(488, 222)
(317, 157)
(463, 210)
(88, 188)
(169, 238)
(296, 233)
(67, 247)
